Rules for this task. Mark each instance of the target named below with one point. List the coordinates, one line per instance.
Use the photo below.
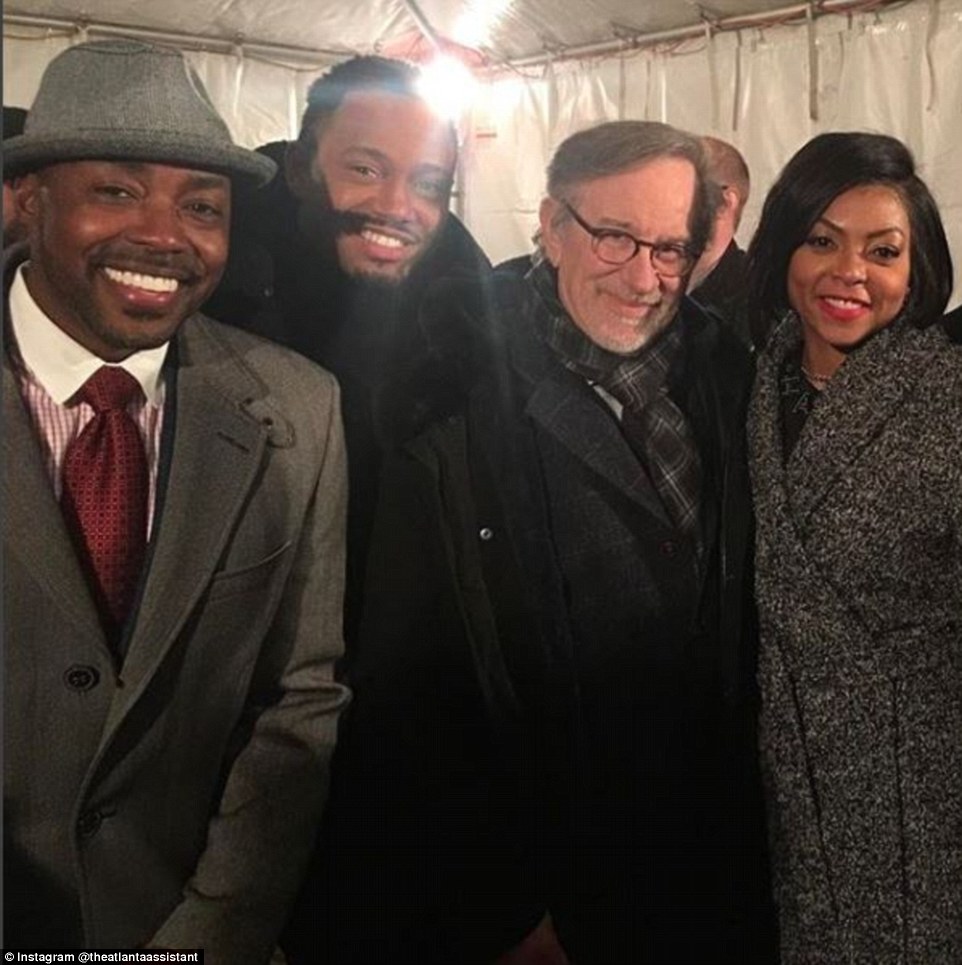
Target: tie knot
(110, 387)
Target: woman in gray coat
(856, 448)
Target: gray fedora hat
(125, 100)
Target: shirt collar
(61, 364)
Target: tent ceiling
(504, 30)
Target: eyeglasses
(616, 247)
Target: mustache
(354, 222)
(639, 301)
(149, 261)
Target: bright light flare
(448, 86)
(473, 28)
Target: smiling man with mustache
(173, 524)
(336, 259)
(384, 164)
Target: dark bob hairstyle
(827, 166)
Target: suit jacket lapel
(32, 518)
(218, 445)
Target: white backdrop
(898, 71)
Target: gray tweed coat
(859, 583)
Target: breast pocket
(249, 577)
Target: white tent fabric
(497, 30)
(898, 70)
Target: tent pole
(424, 25)
(626, 42)
(181, 40)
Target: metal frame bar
(624, 42)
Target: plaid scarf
(654, 426)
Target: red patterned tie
(104, 497)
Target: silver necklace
(818, 381)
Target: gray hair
(617, 146)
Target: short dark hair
(827, 166)
(373, 73)
(617, 146)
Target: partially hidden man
(173, 522)
(557, 652)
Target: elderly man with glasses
(558, 658)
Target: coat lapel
(864, 395)
(862, 398)
(32, 517)
(566, 409)
(218, 444)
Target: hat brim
(29, 152)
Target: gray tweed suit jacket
(859, 583)
(173, 800)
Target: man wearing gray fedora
(173, 525)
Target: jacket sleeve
(261, 836)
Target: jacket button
(80, 677)
(88, 824)
(486, 533)
(668, 547)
